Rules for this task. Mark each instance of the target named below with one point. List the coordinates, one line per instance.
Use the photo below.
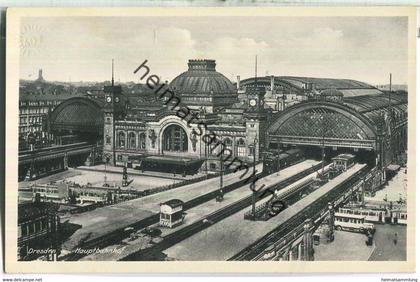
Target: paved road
(386, 249)
(395, 189)
(347, 246)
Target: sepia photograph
(194, 135)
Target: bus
(371, 215)
(353, 222)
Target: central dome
(202, 78)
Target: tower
(113, 110)
(255, 94)
(256, 115)
(40, 77)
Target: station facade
(178, 137)
(168, 132)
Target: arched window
(240, 148)
(142, 141)
(227, 146)
(108, 139)
(175, 139)
(215, 147)
(132, 140)
(121, 139)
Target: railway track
(292, 225)
(212, 218)
(119, 234)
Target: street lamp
(323, 129)
(254, 193)
(219, 197)
(206, 158)
(106, 162)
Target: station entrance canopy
(172, 164)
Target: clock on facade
(253, 102)
(117, 99)
(108, 99)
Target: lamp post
(254, 193)
(106, 162)
(206, 158)
(322, 144)
(219, 197)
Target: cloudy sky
(81, 48)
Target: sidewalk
(347, 246)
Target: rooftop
(202, 78)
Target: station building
(160, 132)
(175, 138)
(166, 133)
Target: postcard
(241, 140)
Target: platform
(233, 234)
(200, 211)
(103, 220)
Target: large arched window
(132, 140)
(240, 148)
(142, 141)
(121, 139)
(227, 146)
(175, 139)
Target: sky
(81, 48)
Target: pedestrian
(395, 238)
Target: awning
(172, 160)
(393, 167)
(136, 158)
(171, 164)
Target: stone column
(126, 140)
(284, 256)
(362, 196)
(331, 221)
(93, 156)
(307, 241)
(299, 251)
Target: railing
(331, 142)
(57, 151)
(293, 226)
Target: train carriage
(275, 161)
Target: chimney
(238, 82)
(272, 84)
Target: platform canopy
(294, 84)
(355, 122)
(77, 114)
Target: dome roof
(202, 78)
